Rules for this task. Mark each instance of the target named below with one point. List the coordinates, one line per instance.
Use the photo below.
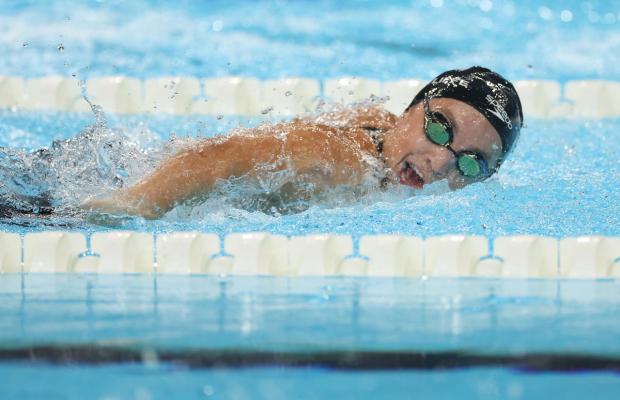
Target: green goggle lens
(469, 166)
(438, 133)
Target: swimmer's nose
(440, 161)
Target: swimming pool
(195, 336)
(181, 337)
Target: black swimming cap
(486, 91)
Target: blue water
(184, 313)
(561, 180)
(478, 315)
(320, 39)
(168, 382)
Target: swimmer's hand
(121, 203)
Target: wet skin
(407, 148)
(331, 149)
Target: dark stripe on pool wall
(343, 360)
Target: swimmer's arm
(189, 173)
(193, 172)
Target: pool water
(385, 40)
(181, 312)
(159, 337)
(170, 382)
(561, 180)
(151, 337)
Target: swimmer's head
(486, 91)
(459, 127)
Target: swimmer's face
(417, 161)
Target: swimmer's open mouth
(409, 175)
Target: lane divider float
(245, 96)
(262, 253)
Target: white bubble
(545, 13)
(217, 25)
(486, 5)
(437, 3)
(566, 16)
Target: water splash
(60, 177)
(101, 159)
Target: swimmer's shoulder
(376, 118)
(359, 135)
(360, 128)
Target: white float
(538, 97)
(170, 95)
(115, 94)
(52, 251)
(257, 253)
(229, 96)
(488, 267)
(594, 98)
(246, 96)
(319, 254)
(54, 93)
(393, 255)
(10, 253)
(453, 255)
(400, 94)
(186, 252)
(348, 90)
(123, 252)
(290, 97)
(589, 256)
(527, 256)
(11, 91)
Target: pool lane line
(334, 359)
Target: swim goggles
(439, 131)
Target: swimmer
(460, 128)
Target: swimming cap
(486, 91)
